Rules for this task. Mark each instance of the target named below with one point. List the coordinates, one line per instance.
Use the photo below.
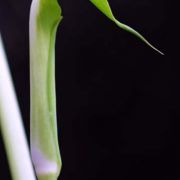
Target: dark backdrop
(118, 100)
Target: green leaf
(104, 7)
(45, 16)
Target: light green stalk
(45, 16)
(104, 7)
(11, 126)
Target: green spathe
(104, 7)
(45, 16)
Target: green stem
(45, 16)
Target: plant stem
(45, 16)
(11, 125)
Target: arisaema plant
(45, 16)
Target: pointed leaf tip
(104, 7)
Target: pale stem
(11, 125)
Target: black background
(118, 100)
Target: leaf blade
(104, 7)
